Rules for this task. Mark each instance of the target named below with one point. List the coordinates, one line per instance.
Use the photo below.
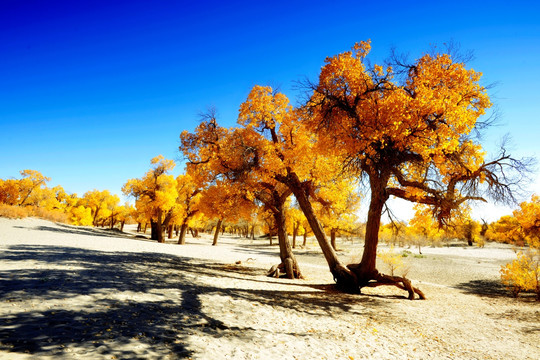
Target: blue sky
(91, 91)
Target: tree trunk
(304, 243)
(216, 234)
(139, 227)
(253, 232)
(333, 239)
(170, 231)
(344, 278)
(157, 229)
(294, 233)
(145, 226)
(367, 270)
(122, 225)
(182, 237)
(288, 260)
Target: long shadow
(107, 326)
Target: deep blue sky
(91, 91)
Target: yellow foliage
(156, 192)
(392, 260)
(523, 274)
(80, 215)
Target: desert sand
(82, 293)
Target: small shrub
(393, 261)
(523, 274)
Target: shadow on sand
(89, 317)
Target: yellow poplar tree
(155, 195)
(408, 131)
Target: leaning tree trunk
(183, 230)
(216, 234)
(344, 278)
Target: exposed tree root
(398, 281)
(375, 279)
(285, 269)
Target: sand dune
(69, 292)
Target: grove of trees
(364, 132)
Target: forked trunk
(216, 234)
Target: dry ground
(69, 292)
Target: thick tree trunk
(170, 231)
(182, 237)
(344, 278)
(153, 230)
(216, 234)
(122, 225)
(157, 229)
(366, 272)
(139, 227)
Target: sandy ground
(82, 293)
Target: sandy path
(69, 292)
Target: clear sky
(91, 91)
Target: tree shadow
(71, 230)
(486, 288)
(131, 305)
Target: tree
(155, 195)
(245, 158)
(222, 202)
(408, 131)
(528, 217)
(31, 181)
(506, 230)
(99, 202)
(187, 203)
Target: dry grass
(13, 212)
(20, 212)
